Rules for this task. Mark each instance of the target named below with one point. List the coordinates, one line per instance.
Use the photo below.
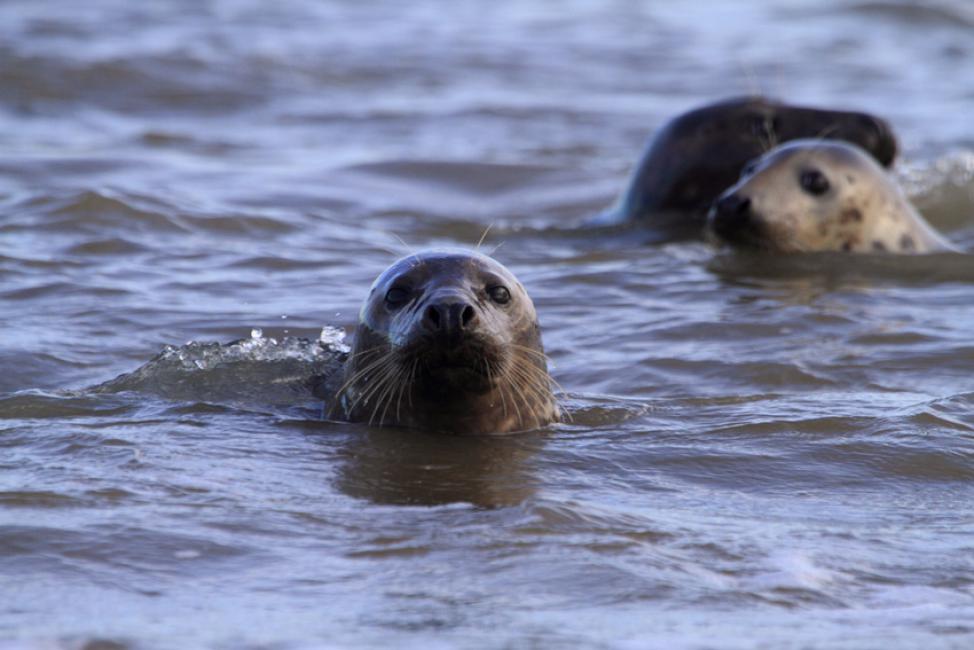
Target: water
(763, 452)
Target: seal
(819, 195)
(448, 340)
(699, 154)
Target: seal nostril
(733, 205)
(467, 315)
(433, 317)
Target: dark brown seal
(699, 154)
(448, 341)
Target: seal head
(820, 195)
(448, 341)
(699, 154)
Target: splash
(254, 370)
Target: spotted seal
(448, 340)
(699, 154)
(820, 195)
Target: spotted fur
(782, 203)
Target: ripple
(932, 15)
(35, 499)
(470, 178)
(114, 246)
(136, 83)
(95, 211)
(35, 404)
(833, 271)
(45, 548)
(898, 461)
(59, 289)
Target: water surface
(763, 453)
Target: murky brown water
(764, 453)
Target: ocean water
(763, 452)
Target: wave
(258, 371)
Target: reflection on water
(762, 452)
(387, 467)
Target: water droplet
(256, 333)
(333, 338)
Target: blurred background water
(764, 452)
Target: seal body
(820, 195)
(699, 154)
(448, 341)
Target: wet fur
(863, 210)
(493, 380)
(697, 155)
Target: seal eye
(396, 297)
(499, 294)
(814, 182)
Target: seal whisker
(405, 385)
(509, 381)
(527, 350)
(409, 249)
(364, 396)
(541, 371)
(362, 372)
(395, 383)
(495, 249)
(772, 135)
(375, 363)
(531, 382)
(490, 379)
(370, 391)
(412, 379)
(525, 394)
(825, 131)
(483, 237)
(388, 383)
(402, 388)
(367, 355)
(505, 409)
(750, 77)
(541, 384)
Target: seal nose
(449, 317)
(732, 208)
